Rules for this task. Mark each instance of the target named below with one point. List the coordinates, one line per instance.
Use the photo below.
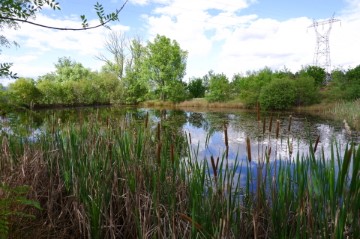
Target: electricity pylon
(322, 49)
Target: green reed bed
(348, 111)
(146, 181)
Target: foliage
(307, 92)
(344, 85)
(134, 84)
(69, 70)
(11, 199)
(315, 72)
(23, 92)
(196, 88)
(165, 63)
(177, 91)
(219, 88)
(279, 94)
(250, 87)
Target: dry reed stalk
(316, 143)
(277, 128)
(289, 126)
(270, 124)
(248, 148)
(189, 219)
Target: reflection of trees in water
(198, 120)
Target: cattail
(269, 153)
(190, 137)
(290, 119)
(270, 124)
(264, 125)
(277, 128)
(214, 166)
(147, 119)
(158, 131)
(158, 152)
(226, 136)
(258, 111)
(248, 148)
(316, 143)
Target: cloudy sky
(227, 36)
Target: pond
(206, 129)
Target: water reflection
(201, 126)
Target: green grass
(146, 181)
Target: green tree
(279, 94)
(315, 72)
(69, 70)
(196, 88)
(51, 92)
(23, 92)
(219, 88)
(307, 92)
(250, 86)
(134, 87)
(165, 63)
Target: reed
(145, 181)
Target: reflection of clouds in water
(296, 141)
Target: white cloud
(219, 38)
(44, 43)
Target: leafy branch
(104, 19)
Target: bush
(279, 94)
(307, 92)
(219, 88)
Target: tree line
(155, 71)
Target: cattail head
(226, 136)
(158, 152)
(270, 124)
(316, 143)
(290, 119)
(248, 148)
(147, 119)
(277, 128)
(264, 125)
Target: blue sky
(227, 36)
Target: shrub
(279, 94)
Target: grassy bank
(340, 111)
(115, 179)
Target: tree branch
(64, 28)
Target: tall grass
(349, 111)
(146, 181)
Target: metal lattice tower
(322, 49)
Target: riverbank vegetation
(111, 178)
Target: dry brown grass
(62, 216)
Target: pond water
(206, 129)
